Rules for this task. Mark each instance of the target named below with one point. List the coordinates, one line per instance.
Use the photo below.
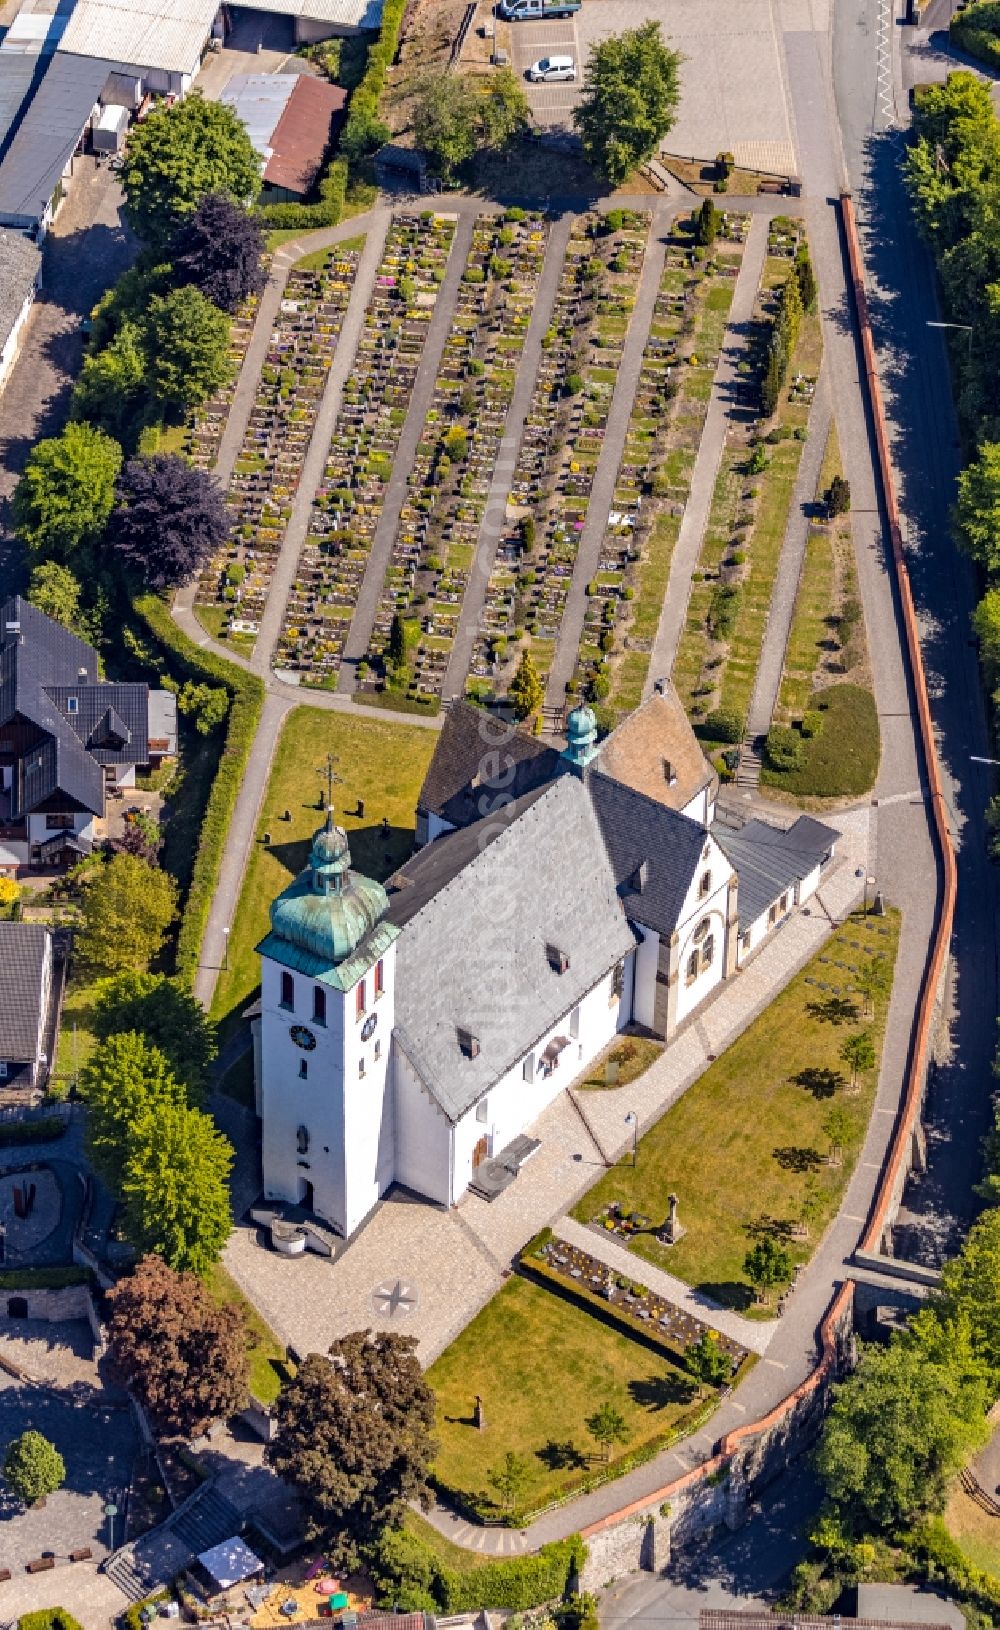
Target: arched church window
(302, 1140)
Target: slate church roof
(484, 913)
(769, 859)
(22, 958)
(50, 677)
(654, 851)
(479, 759)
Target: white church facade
(412, 1034)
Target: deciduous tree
(509, 1477)
(970, 1287)
(183, 1354)
(169, 519)
(186, 339)
(874, 981)
(55, 590)
(708, 1361)
(139, 835)
(858, 1051)
(175, 1187)
(176, 156)
(607, 1426)
(62, 502)
(631, 92)
(127, 907)
(125, 1080)
(766, 1265)
(111, 387)
(977, 512)
(838, 1124)
(445, 119)
(33, 1467)
(220, 248)
(166, 1014)
(354, 1436)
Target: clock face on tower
(302, 1037)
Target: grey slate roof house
(67, 738)
(26, 995)
(20, 275)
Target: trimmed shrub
(247, 693)
(724, 724)
(783, 748)
(407, 1572)
(40, 1131)
(49, 1618)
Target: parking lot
(733, 94)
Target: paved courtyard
(426, 1272)
(733, 92)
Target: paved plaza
(426, 1272)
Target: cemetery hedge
(40, 1131)
(617, 1317)
(414, 1572)
(247, 700)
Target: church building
(412, 1033)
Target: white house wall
(696, 908)
(513, 1104)
(423, 1134)
(8, 356)
(369, 1132)
(645, 964)
(288, 1102)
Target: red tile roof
(303, 134)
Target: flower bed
(450, 479)
(365, 437)
(267, 471)
(561, 443)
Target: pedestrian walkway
(749, 1333)
(602, 493)
(366, 608)
(495, 512)
(790, 563)
(706, 465)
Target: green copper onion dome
(581, 736)
(329, 909)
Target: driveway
(552, 105)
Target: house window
(618, 982)
(302, 1140)
(360, 1000)
(379, 979)
(482, 1111)
(58, 823)
(361, 1068)
(746, 940)
(378, 1049)
(288, 992)
(528, 1070)
(772, 916)
(692, 967)
(303, 1068)
(705, 886)
(784, 903)
(3, 1069)
(701, 930)
(72, 704)
(319, 1004)
(574, 1023)
(708, 951)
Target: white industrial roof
(229, 1563)
(259, 100)
(165, 34)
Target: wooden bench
(40, 1564)
(84, 1554)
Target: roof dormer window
(72, 704)
(558, 960)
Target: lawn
(745, 1148)
(541, 1367)
(974, 1530)
(632, 1054)
(269, 1362)
(380, 766)
(842, 761)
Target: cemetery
(233, 591)
(203, 435)
(763, 1145)
(668, 414)
(731, 591)
(350, 496)
(450, 479)
(560, 446)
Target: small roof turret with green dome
(329, 908)
(581, 737)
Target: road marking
(871, 1165)
(883, 56)
(775, 1364)
(850, 1217)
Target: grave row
(350, 496)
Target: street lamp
(964, 328)
(975, 759)
(225, 950)
(632, 1120)
(111, 1512)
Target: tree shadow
(731, 1293)
(656, 1392)
(822, 1083)
(792, 1158)
(565, 1456)
(767, 1227)
(834, 1010)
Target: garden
(539, 1442)
(232, 590)
(348, 501)
(716, 667)
(380, 766)
(665, 426)
(762, 1147)
(449, 482)
(560, 446)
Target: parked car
(550, 70)
(523, 11)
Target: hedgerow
(246, 691)
(408, 1572)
